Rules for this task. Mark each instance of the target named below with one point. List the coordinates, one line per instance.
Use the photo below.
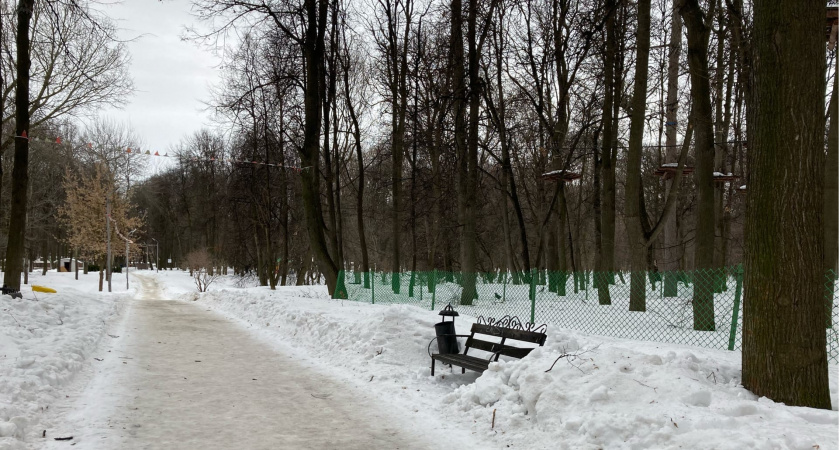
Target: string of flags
(219, 160)
(140, 152)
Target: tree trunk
(784, 349)
(633, 195)
(20, 168)
(459, 105)
(704, 242)
(606, 259)
(671, 236)
(313, 52)
(831, 174)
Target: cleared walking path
(178, 377)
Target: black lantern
(445, 331)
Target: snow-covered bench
(507, 329)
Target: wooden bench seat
(494, 349)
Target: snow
(44, 342)
(721, 174)
(180, 376)
(579, 391)
(605, 393)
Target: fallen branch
(637, 381)
(571, 357)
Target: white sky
(171, 77)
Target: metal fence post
(373, 290)
(504, 287)
(739, 280)
(532, 292)
(434, 291)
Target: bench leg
(433, 367)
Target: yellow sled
(37, 288)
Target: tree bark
(20, 168)
(831, 174)
(606, 258)
(671, 236)
(633, 195)
(313, 53)
(704, 247)
(784, 348)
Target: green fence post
(373, 290)
(434, 290)
(586, 286)
(532, 290)
(533, 296)
(421, 286)
(739, 280)
(504, 287)
(340, 288)
(830, 276)
(411, 285)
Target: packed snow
(604, 393)
(579, 391)
(45, 340)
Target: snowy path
(181, 377)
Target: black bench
(508, 329)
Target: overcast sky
(171, 77)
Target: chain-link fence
(702, 307)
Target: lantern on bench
(445, 331)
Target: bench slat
(469, 362)
(510, 333)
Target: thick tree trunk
(633, 196)
(20, 168)
(831, 174)
(784, 348)
(704, 242)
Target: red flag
(157, 154)
(58, 140)
(23, 135)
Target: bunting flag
(59, 141)
(213, 159)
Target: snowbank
(605, 393)
(44, 341)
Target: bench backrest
(505, 334)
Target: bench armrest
(429, 348)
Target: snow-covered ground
(45, 340)
(606, 393)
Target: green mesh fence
(702, 307)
